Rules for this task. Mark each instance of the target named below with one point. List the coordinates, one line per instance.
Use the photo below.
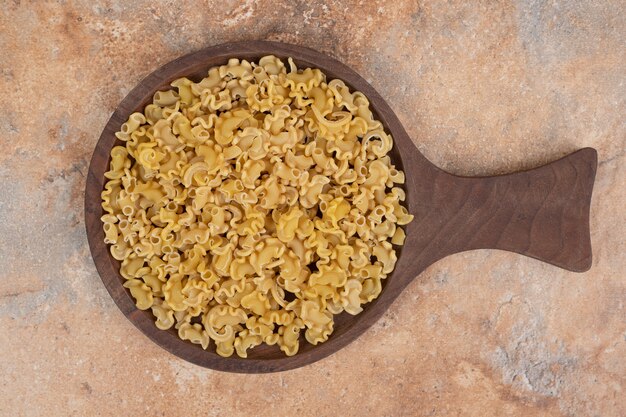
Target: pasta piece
(141, 292)
(194, 333)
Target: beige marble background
(483, 87)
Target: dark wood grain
(542, 213)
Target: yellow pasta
(253, 205)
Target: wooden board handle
(542, 213)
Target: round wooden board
(542, 213)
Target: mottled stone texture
(483, 87)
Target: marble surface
(483, 87)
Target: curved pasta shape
(332, 275)
(350, 296)
(194, 333)
(173, 293)
(244, 341)
(164, 315)
(141, 292)
(220, 316)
